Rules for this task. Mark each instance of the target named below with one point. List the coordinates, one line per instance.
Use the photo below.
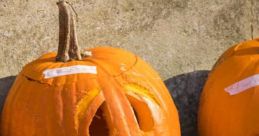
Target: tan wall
(175, 36)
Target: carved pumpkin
(112, 92)
(229, 104)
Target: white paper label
(243, 85)
(49, 73)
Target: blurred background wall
(175, 36)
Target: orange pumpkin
(229, 104)
(112, 92)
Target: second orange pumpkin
(229, 104)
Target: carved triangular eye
(142, 113)
(145, 106)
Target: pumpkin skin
(228, 107)
(68, 105)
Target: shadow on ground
(186, 89)
(5, 85)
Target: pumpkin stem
(68, 45)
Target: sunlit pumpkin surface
(229, 103)
(125, 98)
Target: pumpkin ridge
(86, 121)
(68, 96)
(83, 105)
(132, 128)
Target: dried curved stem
(74, 52)
(68, 45)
